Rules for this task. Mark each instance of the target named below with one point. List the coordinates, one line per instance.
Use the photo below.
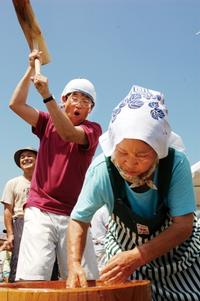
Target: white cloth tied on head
(141, 115)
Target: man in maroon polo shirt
(67, 144)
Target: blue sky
(115, 44)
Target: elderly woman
(147, 186)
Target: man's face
(27, 160)
(77, 106)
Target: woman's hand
(121, 266)
(76, 276)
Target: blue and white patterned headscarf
(141, 115)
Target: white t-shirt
(99, 227)
(15, 193)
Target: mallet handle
(37, 61)
(37, 66)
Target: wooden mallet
(31, 29)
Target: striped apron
(175, 276)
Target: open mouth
(76, 113)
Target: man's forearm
(21, 91)
(8, 221)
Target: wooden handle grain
(31, 28)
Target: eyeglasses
(85, 103)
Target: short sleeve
(181, 199)
(96, 192)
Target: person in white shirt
(14, 197)
(99, 227)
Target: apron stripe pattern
(175, 275)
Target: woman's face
(134, 157)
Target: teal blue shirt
(97, 191)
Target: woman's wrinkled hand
(76, 276)
(121, 266)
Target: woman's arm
(76, 238)
(122, 265)
(177, 233)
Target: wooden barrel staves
(135, 290)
